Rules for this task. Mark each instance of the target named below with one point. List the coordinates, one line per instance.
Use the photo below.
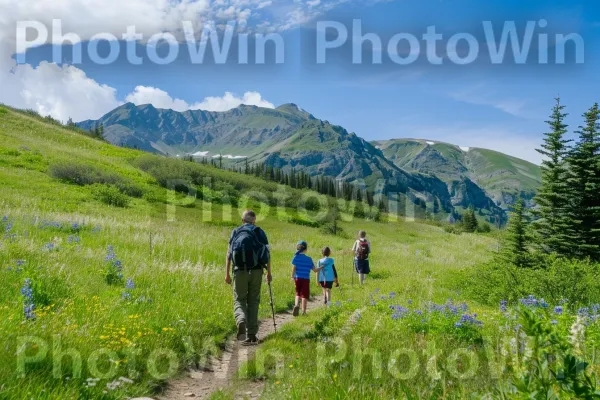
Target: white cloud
(62, 92)
(161, 99)
(158, 98)
(229, 101)
(67, 91)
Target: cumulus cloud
(161, 99)
(62, 92)
(67, 92)
(229, 101)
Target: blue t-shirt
(326, 274)
(304, 265)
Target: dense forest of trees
(566, 219)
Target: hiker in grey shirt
(248, 251)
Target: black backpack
(246, 250)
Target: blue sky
(502, 107)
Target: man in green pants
(248, 251)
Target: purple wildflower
(503, 305)
(130, 284)
(558, 310)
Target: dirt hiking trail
(221, 372)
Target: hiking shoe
(241, 331)
(296, 311)
(251, 340)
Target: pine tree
(515, 245)
(553, 229)
(101, 131)
(469, 221)
(584, 160)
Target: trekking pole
(272, 307)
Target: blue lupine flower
(20, 262)
(5, 219)
(558, 310)
(529, 301)
(338, 303)
(8, 227)
(392, 295)
(584, 312)
(130, 284)
(73, 239)
(503, 304)
(543, 303)
(28, 304)
(49, 246)
(418, 312)
(75, 226)
(126, 296)
(409, 301)
(554, 322)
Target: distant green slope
(503, 178)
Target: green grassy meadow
(171, 305)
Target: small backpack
(247, 251)
(362, 252)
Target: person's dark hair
(362, 234)
(301, 247)
(326, 251)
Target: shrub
(85, 174)
(484, 228)
(452, 229)
(3, 111)
(110, 195)
(553, 279)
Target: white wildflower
(577, 333)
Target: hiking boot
(325, 301)
(296, 311)
(241, 331)
(251, 340)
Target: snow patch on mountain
(465, 149)
(430, 143)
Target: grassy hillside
(62, 239)
(502, 177)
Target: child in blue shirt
(302, 265)
(328, 275)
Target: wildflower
(73, 239)
(392, 295)
(28, 304)
(584, 312)
(126, 296)
(75, 226)
(503, 305)
(8, 228)
(577, 332)
(543, 303)
(49, 246)
(529, 301)
(20, 262)
(130, 284)
(558, 310)
(554, 322)
(5, 219)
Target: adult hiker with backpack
(362, 249)
(249, 253)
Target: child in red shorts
(302, 265)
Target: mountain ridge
(289, 137)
